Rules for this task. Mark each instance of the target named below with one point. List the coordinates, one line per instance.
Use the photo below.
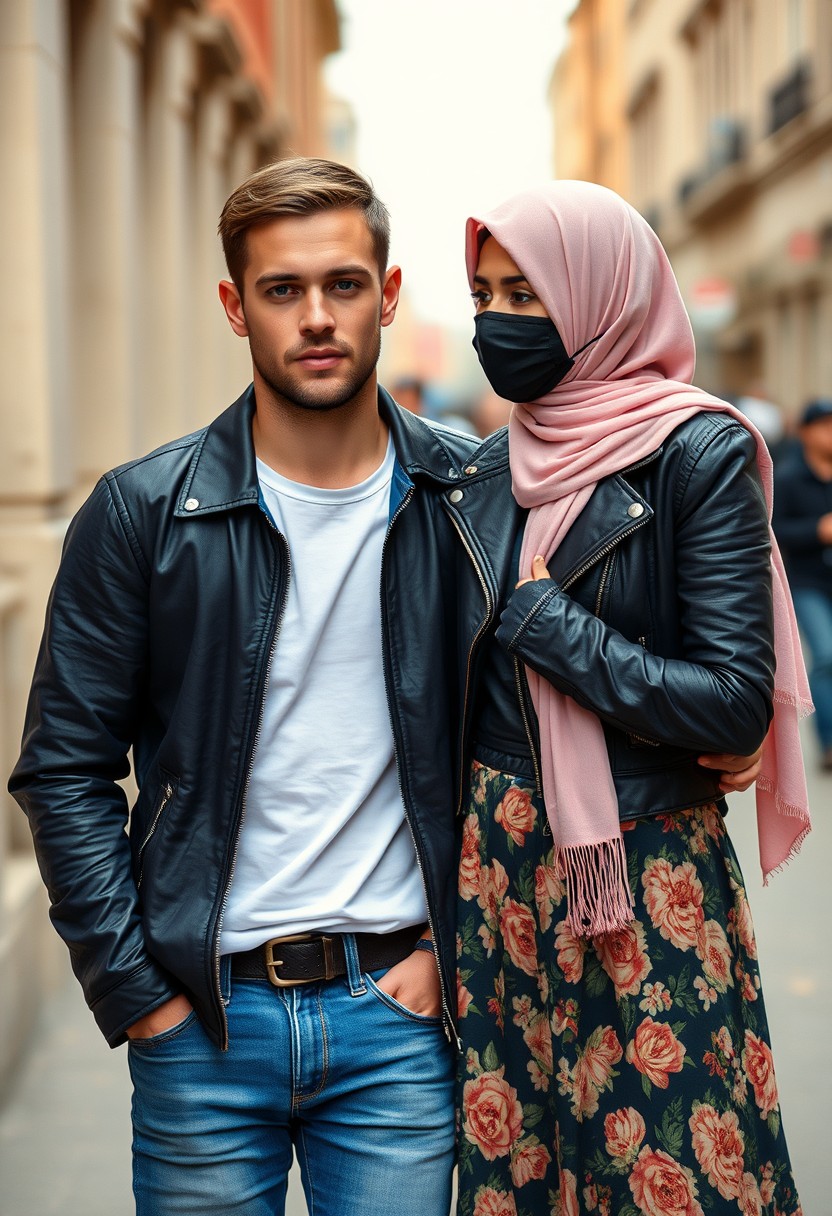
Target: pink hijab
(599, 269)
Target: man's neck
(330, 449)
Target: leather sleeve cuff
(522, 608)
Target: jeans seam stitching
(325, 1064)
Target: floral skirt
(625, 1075)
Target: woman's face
(501, 286)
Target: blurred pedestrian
(616, 1046)
(409, 392)
(803, 523)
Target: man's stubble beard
(313, 396)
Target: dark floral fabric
(630, 1075)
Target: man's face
(313, 306)
(817, 438)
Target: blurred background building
(124, 125)
(714, 118)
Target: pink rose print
(749, 1198)
(656, 1052)
(571, 952)
(516, 814)
(673, 896)
(548, 891)
(518, 930)
(602, 1051)
(624, 1130)
(494, 1203)
(469, 862)
(623, 957)
(714, 952)
(493, 887)
(719, 1147)
(742, 923)
(759, 1068)
(538, 1038)
(568, 1187)
(528, 1161)
(492, 1115)
(662, 1187)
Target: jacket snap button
(455, 496)
(634, 510)
(472, 468)
(191, 504)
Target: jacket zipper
(596, 557)
(448, 1020)
(489, 612)
(255, 741)
(518, 679)
(167, 794)
(602, 584)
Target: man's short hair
(299, 185)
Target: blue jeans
(360, 1086)
(814, 615)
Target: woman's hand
(539, 571)
(736, 772)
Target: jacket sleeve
(79, 727)
(718, 697)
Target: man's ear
(390, 294)
(233, 305)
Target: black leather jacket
(158, 636)
(658, 618)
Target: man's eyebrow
(337, 272)
(507, 281)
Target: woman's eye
(522, 297)
(479, 297)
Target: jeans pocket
(165, 1036)
(398, 1008)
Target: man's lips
(320, 360)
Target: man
(280, 616)
(803, 524)
(260, 611)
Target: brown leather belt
(310, 958)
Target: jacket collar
(223, 474)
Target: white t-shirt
(324, 844)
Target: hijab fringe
(803, 705)
(598, 892)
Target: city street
(65, 1128)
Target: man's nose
(317, 315)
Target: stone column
(167, 203)
(106, 262)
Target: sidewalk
(65, 1126)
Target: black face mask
(522, 357)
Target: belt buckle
(273, 963)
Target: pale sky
(450, 100)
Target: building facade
(727, 136)
(124, 125)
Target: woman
(616, 1049)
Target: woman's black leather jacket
(658, 617)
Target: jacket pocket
(167, 792)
